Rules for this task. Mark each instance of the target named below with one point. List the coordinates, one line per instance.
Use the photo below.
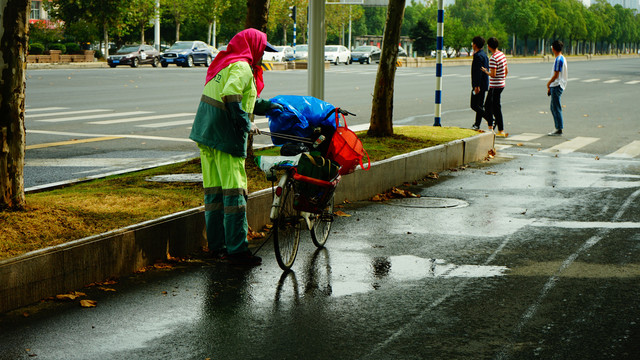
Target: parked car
(187, 54)
(302, 52)
(134, 55)
(401, 53)
(285, 53)
(363, 53)
(337, 54)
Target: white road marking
(101, 116)
(632, 82)
(45, 109)
(529, 78)
(628, 151)
(168, 123)
(67, 113)
(590, 80)
(143, 118)
(612, 81)
(571, 145)
(585, 224)
(86, 162)
(128, 136)
(525, 137)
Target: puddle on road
(361, 274)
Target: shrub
(58, 46)
(36, 49)
(73, 48)
(97, 54)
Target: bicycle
(294, 206)
(291, 210)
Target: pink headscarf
(248, 45)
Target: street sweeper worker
(221, 127)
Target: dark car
(188, 53)
(401, 53)
(134, 55)
(364, 53)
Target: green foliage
(36, 49)
(424, 37)
(73, 48)
(58, 46)
(40, 33)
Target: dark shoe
(475, 127)
(555, 133)
(244, 258)
(218, 254)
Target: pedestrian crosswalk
(430, 72)
(567, 145)
(104, 117)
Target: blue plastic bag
(301, 114)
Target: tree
(210, 11)
(382, 106)
(108, 14)
(257, 14)
(178, 10)
(13, 51)
(140, 14)
(518, 16)
(424, 38)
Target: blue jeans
(556, 107)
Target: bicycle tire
(286, 229)
(322, 225)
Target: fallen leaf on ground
(600, 126)
(492, 152)
(161, 265)
(88, 303)
(341, 213)
(585, 115)
(491, 173)
(433, 175)
(106, 289)
(519, 144)
(597, 157)
(70, 296)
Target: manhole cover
(185, 178)
(429, 202)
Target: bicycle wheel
(286, 229)
(322, 225)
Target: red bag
(346, 149)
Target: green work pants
(225, 202)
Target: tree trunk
(106, 40)
(382, 108)
(257, 14)
(141, 33)
(13, 50)
(210, 28)
(177, 31)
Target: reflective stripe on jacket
(212, 125)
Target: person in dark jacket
(221, 127)
(479, 80)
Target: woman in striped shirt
(497, 72)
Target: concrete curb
(55, 270)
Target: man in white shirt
(556, 85)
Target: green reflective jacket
(213, 126)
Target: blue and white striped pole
(439, 52)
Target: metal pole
(439, 51)
(315, 71)
(349, 27)
(156, 30)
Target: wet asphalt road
(541, 263)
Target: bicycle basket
(313, 195)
